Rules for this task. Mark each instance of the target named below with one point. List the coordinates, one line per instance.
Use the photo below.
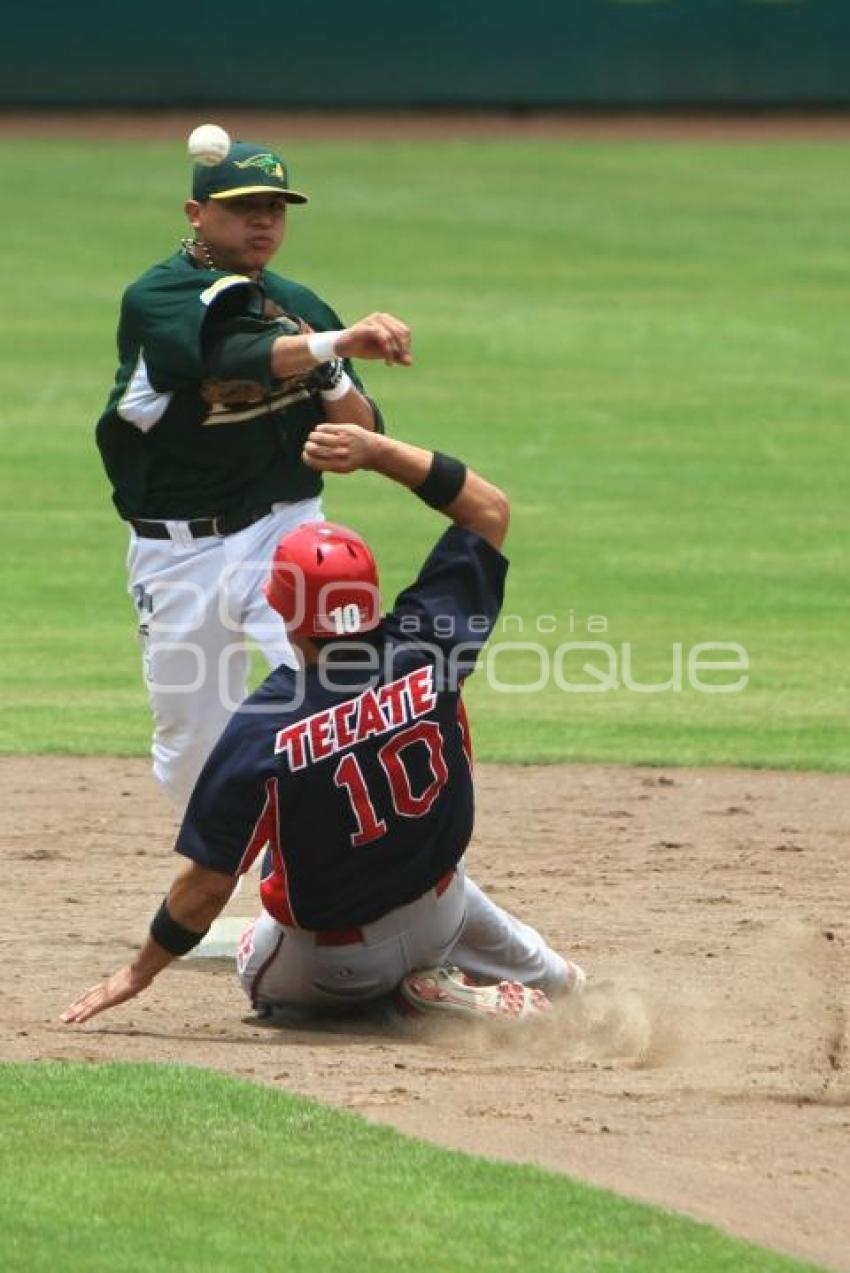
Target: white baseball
(208, 144)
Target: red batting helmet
(324, 582)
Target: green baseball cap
(247, 169)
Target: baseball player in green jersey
(224, 370)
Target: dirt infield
(305, 126)
(707, 1070)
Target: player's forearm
(149, 962)
(445, 484)
(291, 356)
(197, 896)
(354, 407)
(380, 336)
(478, 505)
(400, 461)
(195, 899)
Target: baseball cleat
(447, 990)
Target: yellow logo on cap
(267, 163)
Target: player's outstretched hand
(339, 448)
(377, 336)
(116, 989)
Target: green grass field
(644, 343)
(160, 1169)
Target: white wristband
(322, 345)
(340, 390)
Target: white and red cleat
(447, 990)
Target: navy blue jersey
(356, 775)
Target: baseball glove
(328, 374)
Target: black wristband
(172, 936)
(444, 481)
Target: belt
(354, 936)
(198, 527)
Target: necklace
(199, 251)
(201, 254)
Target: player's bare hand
(377, 336)
(339, 448)
(116, 989)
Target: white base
(222, 941)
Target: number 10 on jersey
(349, 777)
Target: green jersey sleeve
(239, 347)
(164, 315)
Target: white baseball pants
(277, 965)
(198, 600)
